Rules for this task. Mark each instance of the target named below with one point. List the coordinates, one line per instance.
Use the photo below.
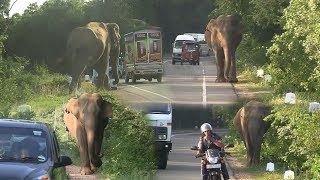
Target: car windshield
(178, 44)
(157, 108)
(23, 145)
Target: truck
(160, 117)
(177, 47)
(143, 55)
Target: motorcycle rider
(210, 140)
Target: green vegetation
(128, 151)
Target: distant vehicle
(205, 50)
(177, 47)
(160, 116)
(191, 53)
(143, 55)
(197, 36)
(30, 150)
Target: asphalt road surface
(181, 84)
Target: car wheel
(126, 79)
(134, 80)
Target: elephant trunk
(94, 158)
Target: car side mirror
(194, 148)
(63, 161)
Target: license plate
(211, 166)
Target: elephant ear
(113, 29)
(73, 107)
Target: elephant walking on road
(223, 35)
(251, 126)
(94, 45)
(86, 118)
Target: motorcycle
(212, 160)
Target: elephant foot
(95, 164)
(85, 171)
(218, 80)
(233, 80)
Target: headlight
(213, 160)
(162, 137)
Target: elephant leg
(219, 56)
(232, 72)
(95, 160)
(114, 60)
(227, 63)
(77, 70)
(83, 148)
(102, 67)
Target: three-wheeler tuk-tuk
(191, 52)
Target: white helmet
(205, 127)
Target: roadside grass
(251, 87)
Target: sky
(21, 5)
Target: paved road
(182, 84)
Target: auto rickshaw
(191, 52)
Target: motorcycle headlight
(162, 137)
(213, 160)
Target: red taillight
(169, 123)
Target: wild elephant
(86, 118)
(94, 45)
(223, 35)
(250, 124)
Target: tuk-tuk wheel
(126, 78)
(159, 79)
(134, 80)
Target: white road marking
(204, 89)
(152, 93)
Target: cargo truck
(143, 55)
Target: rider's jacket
(205, 144)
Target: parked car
(30, 150)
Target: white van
(160, 117)
(177, 46)
(197, 36)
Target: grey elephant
(94, 45)
(86, 118)
(249, 121)
(223, 35)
